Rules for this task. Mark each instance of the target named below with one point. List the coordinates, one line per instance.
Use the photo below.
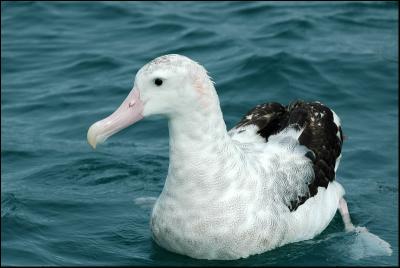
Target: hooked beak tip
(93, 145)
(92, 137)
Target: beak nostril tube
(132, 103)
(118, 120)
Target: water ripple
(67, 64)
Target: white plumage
(227, 194)
(228, 197)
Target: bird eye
(158, 81)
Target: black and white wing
(322, 135)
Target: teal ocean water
(67, 65)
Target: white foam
(366, 244)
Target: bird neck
(201, 151)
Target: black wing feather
(319, 135)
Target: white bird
(267, 182)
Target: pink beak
(127, 114)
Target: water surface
(67, 65)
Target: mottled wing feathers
(270, 118)
(321, 134)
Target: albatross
(267, 182)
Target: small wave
(15, 154)
(145, 202)
(27, 254)
(369, 4)
(294, 24)
(199, 34)
(106, 180)
(92, 62)
(165, 27)
(9, 204)
(257, 9)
